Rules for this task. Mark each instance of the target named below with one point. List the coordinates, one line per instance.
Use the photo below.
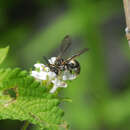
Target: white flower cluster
(43, 73)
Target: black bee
(69, 64)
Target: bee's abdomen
(74, 67)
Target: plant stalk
(127, 15)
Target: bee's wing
(78, 54)
(66, 42)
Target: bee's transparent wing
(66, 42)
(78, 54)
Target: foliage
(3, 53)
(23, 98)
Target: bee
(70, 64)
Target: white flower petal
(57, 83)
(34, 74)
(53, 89)
(52, 60)
(39, 66)
(43, 75)
(52, 75)
(39, 75)
(68, 76)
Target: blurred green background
(101, 94)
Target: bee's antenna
(46, 60)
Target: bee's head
(74, 66)
(59, 61)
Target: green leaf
(23, 98)
(3, 53)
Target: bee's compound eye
(59, 61)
